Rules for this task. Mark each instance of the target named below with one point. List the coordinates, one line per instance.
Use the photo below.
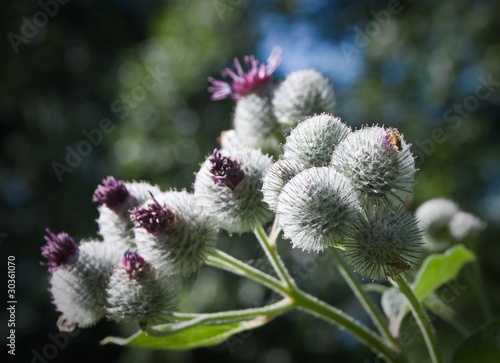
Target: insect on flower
(397, 267)
(394, 138)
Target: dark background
(414, 65)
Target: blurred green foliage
(93, 60)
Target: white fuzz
(314, 140)
(317, 209)
(78, 288)
(147, 299)
(377, 169)
(302, 94)
(277, 175)
(238, 210)
(183, 248)
(254, 121)
(117, 227)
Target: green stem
(226, 262)
(273, 257)
(306, 302)
(316, 307)
(421, 318)
(220, 317)
(367, 303)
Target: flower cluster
(151, 240)
(331, 187)
(334, 187)
(264, 110)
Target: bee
(394, 138)
(397, 267)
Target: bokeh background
(415, 65)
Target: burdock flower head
(302, 94)
(228, 187)
(386, 243)
(79, 276)
(225, 171)
(314, 140)
(154, 217)
(317, 209)
(111, 193)
(59, 250)
(173, 233)
(116, 199)
(137, 293)
(244, 82)
(379, 164)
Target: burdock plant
(329, 188)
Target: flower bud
(59, 250)
(173, 233)
(386, 243)
(78, 287)
(137, 293)
(276, 176)
(314, 140)
(317, 209)
(434, 217)
(303, 93)
(379, 170)
(464, 225)
(114, 223)
(245, 82)
(229, 185)
(254, 121)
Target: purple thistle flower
(112, 193)
(59, 250)
(133, 263)
(245, 83)
(225, 171)
(154, 218)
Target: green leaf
(481, 346)
(196, 337)
(436, 270)
(439, 269)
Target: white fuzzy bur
(378, 171)
(317, 209)
(314, 140)
(302, 94)
(117, 227)
(148, 298)
(78, 288)
(183, 248)
(238, 210)
(277, 175)
(254, 121)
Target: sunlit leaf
(436, 270)
(196, 337)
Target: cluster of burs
(330, 187)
